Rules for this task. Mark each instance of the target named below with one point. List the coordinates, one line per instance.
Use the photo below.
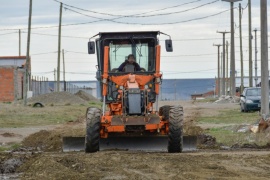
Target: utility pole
(64, 71)
(241, 49)
(19, 42)
(27, 64)
(218, 73)
(59, 48)
(221, 72)
(227, 67)
(264, 60)
(250, 44)
(223, 62)
(55, 79)
(232, 48)
(256, 53)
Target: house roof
(18, 61)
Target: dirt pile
(57, 98)
(206, 141)
(51, 141)
(85, 96)
(43, 141)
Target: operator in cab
(129, 65)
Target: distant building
(12, 70)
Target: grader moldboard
(128, 119)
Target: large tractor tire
(92, 130)
(175, 141)
(164, 112)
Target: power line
(42, 34)
(8, 33)
(44, 53)
(128, 23)
(76, 52)
(176, 72)
(80, 37)
(121, 16)
(119, 22)
(178, 12)
(195, 39)
(143, 16)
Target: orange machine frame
(129, 81)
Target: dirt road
(141, 165)
(202, 164)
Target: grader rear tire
(175, 141)
(92, 130)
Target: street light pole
(218, 73)
(232, 48)
(223, 62)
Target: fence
(41, 85)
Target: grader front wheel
(175, 136)
(92, 137)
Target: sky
(192, 25)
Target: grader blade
(129, 143)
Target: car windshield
(254, 92)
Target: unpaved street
(141, 165)
(42, 158)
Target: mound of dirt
(85, 96)
(206, 141)
(6, 134)
(51, 141)
(57, 98)
(43, 141)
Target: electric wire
(115, 15)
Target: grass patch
(95, 104)
(19, 116)
(227, 123)
(10, 147)
(231, 116)
(229, 137)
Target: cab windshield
(142, 49)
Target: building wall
(10, 83)
(18, 83)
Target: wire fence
(41, 85)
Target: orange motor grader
(130, 118)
